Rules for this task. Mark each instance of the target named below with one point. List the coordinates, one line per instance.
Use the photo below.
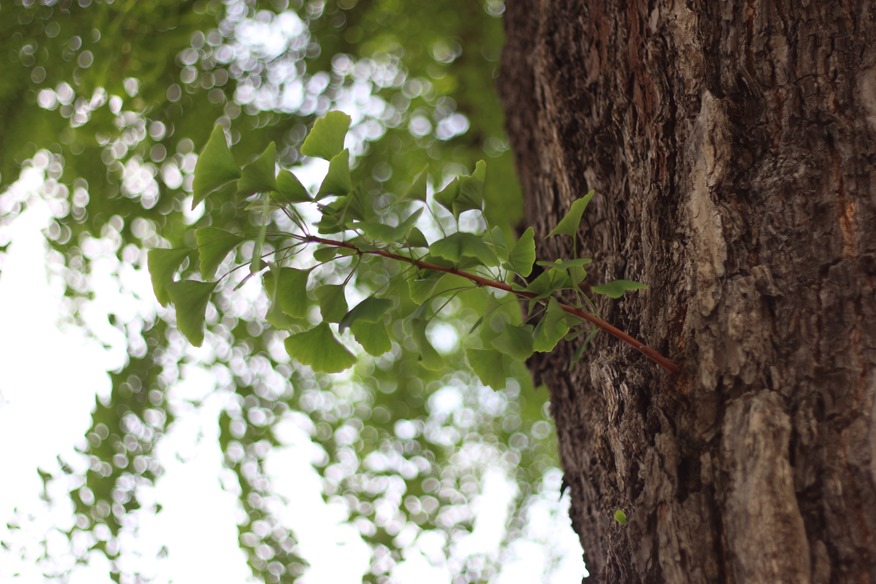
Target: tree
(732, 147)
(112, 101)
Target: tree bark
(732, 147)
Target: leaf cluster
(354, 231)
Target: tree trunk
(732, 147)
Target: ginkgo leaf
(213, 245)
(570, 223)
(429, 357)
(190, 298)
(491, 367)
(373, 337)
(380, 232)
(522, 255)
(326, 139)
(417, 190)
(288, 288)
(320, 349)
(552, 327)
(548, 282)
(337, 181)
(371, 309)
(258, 176)
(616, 288)
(325, 254)
(163, 264)
(460, 245)
(415, 238)
(515, 341)
(332, 302)
(471, 191)
(290, 189)
(448, 194)
(216, 170)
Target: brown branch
(667, 364)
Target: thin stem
(650, 353)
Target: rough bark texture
(732, 146)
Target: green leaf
(326, 139)
(282, 321)
(163, 264)
(548, 282)
(616, 288)
(256, 262)
(290, 189)
(258, 176)
(382, 233)
(433, 284)
(337, 181)
(416, 238)
(459, 245)
(190, 299)
(621, 517)
(332, 302)
(325, 254)
(491, 367)
(213, 245)
(371, 309)
(515, 341)
(319, 349)
(373, 337)
(429, 357)
(448, 194)
(552, 327)
(417, 190)
(288, 288)
(522, 254)
(570, 223)
(471, 191)
(215, 170)
(566, 264)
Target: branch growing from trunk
(650, 353)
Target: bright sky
(49, 377)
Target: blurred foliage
(112, 99)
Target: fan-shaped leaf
(448, 194)
(215, 170)
(373, 337)
(548, 282)
(380, 232)
(371, 309)
(288, 288)
(332, 302)
(460, 245)
(213, 245)
(337, 181)
(616, 288)
(417, 190)
(416, 238)
(326, 139)
(163, 264)
(569, 224)
(522, 255)
(290, 189)
(319, 348)
(491, 367)
(190, 299)
(258, 176)
(515, 341)
(429, 357)
(552, 327)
